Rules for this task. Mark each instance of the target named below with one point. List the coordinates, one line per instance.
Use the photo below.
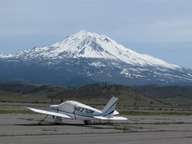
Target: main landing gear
(87, 122)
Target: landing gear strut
(87, 122)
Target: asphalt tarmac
(24, 129)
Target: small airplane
(74, 110)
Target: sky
(162, 28)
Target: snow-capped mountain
(86, 57)
(91, 45)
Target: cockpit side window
(83, 110)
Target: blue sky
(162, 28)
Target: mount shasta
(85, 58)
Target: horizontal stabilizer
(49, 113)
(115, 113)
(117, 118)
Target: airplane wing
(115, 118)
(49, 113)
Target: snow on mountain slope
(91, 45)
(6, 55)
(85, 58)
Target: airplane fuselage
(76, 110)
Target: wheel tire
(86, 122)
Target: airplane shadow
(35, 122)
(60, 124)
(50, 124)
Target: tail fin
(110, 107)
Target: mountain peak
(83, 33)
(86, 34)
(84, 37)
(82, 44)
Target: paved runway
(130, 138)
(23, 129)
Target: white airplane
(74, 110)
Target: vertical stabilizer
(110, 107)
